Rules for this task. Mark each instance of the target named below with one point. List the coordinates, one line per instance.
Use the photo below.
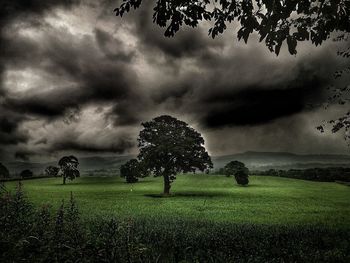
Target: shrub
(131, 171)
(52, 171)
(238, 170)
(26, 173)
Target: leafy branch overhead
(276, 22)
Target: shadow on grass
(139, 182)
(192, 195)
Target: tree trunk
(166, 184)
(64, 180)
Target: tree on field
(69, 167)
(239, 171)
(169, 146)
(52, 171)
(275, 22)
(4, 172)
(26, 173)
(132, 170)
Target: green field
(267, 200)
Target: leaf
(292, 44)
(278, 48)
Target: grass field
(267, 200)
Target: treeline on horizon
(330, 174)
(327, 174)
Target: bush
(52, 171)
(26, 173)
(131, 170)
(330, 174)
(238, 170)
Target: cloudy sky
(76, 79)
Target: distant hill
(283, 160)
(253, 160)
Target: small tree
(131, 171)
(69, 167)
(169, 146)
(4, 172)
(52, 171)
(239, 171)
(26, 173)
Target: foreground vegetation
(40, 234)
(200, 197)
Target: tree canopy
(26, 173)
(275, 22)
(239, 171)
(69, 167)
(169, 146)
(52, 171)
(132, 170)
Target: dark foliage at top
(4, 172)
(69, 167)
(330, 174)
(26, 173)
(238, 170)
(169, 146)
(276, 22)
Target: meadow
(201, 198)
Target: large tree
(69, 167)
(169, 146)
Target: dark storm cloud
(87, 79)
(187, 43)
(78, 70)
(6, 125)
(23, 155)
(93, 77)
(71, 145)
(110, 45)
(10, 10)
(9, 128)
(259, 105)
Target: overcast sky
(76, 79)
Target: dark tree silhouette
(169, 146)
(131, 170)
(26, 173)
(69, 167)
(239, 171)
(276, 22)
(4, 172)
(52, 171)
